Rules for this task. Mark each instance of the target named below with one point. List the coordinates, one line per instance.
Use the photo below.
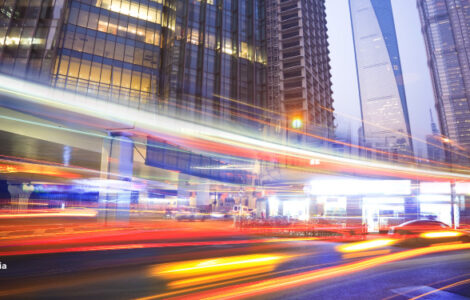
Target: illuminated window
(149, 36)
(85, 70)
(126, 78)
(95, 72)
(127, 8)
(64, 65)
(244, 50)
(106, 74)
(74, 67)
(145, 82)
(135, 83)
(116, 76)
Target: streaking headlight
(440, 234)
(366, 245)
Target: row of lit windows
(132, 9)
(95, 71)
(245, 51)
(110, 24)
(117, 48)
(115, 94)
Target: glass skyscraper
(384, 110)
(445, 26)
(200, 57)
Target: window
(95, 74)
(109, 49)
(291, 64)
(116, 74)
(135, 83)
(74, 67)
(119, 51)
(85, 69)
(64, 65)
(138, 56)
(126, 78)
(105, 74)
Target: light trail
(145, 246)
(87, 213)
(366, 245)
(292, 281)
(442, 288)
(440, 234)
(154, 124)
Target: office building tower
(299, 78)
(201, 57)
(447, 38)
(217, 54)
(384, 110)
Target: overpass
(109, 140)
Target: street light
(297, 123)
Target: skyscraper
(384, 110)
(445, 26)
(195, 56)
(299, 79)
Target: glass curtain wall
(218, 59)
(28, 31)
(382, 94)
(446, 34)
(111, 49)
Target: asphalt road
(126, 274)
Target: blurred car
(426, 232)
(190, 216)
(219, 216)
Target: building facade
(203, 57)
(299, 79)
(384, 109)
(447, 38)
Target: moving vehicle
(427, 232)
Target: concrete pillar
(116, 165)
(203, 193)
(183, 193)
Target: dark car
(191, 216)
(426, 232)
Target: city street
(124, 263)
(235, 149)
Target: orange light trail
(291, 281)
(142, 246)
(51, 214)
